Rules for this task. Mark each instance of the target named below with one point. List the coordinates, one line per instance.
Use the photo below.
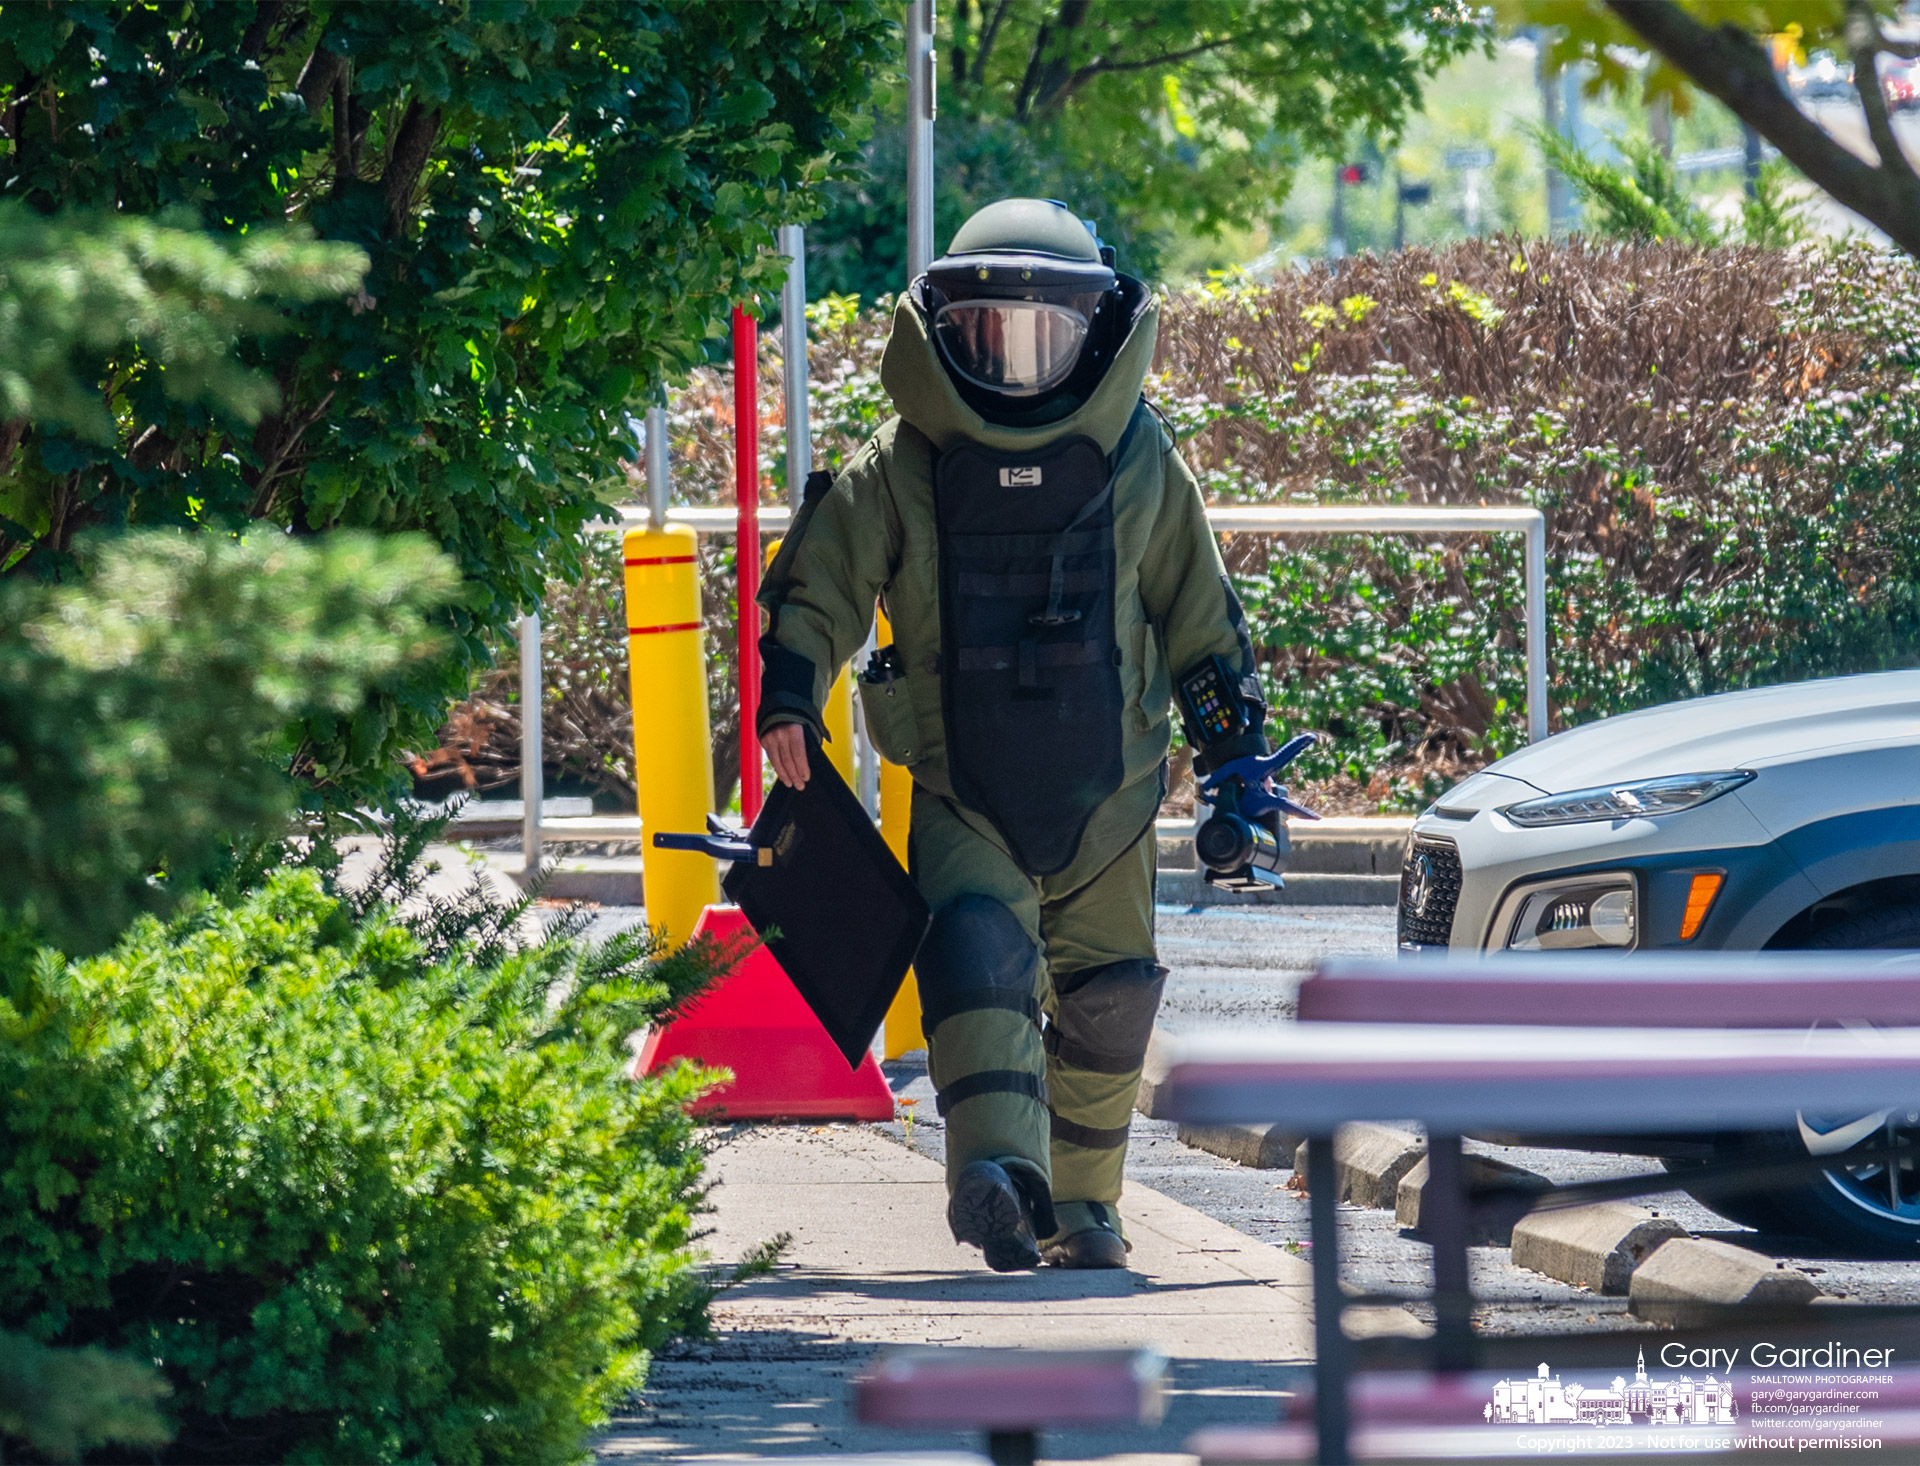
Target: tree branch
(260, 28)
(407, 159)
(1730, 65)
(345, 165)
(316, 77)
(1866, 43)
(1049, 91)
(957, 53)
(987, 36)
(1102, 66)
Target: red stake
(746, 494)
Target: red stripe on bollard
(664, 560)
(650, 630)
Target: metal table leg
(1013, 1447)
(1443, 1217)
(1330, 1353)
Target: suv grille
(1429, 891)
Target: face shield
(1019, 348)
(1013, 324)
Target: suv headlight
(1570, 913)
(1626, 801)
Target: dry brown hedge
(1722, 441)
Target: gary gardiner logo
(1544, 1400)
(1020, 478)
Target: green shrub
(363, 1175)
(557, 202)
(1723, 442)
(62, 1402)
(148, 708)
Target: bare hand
(786, 746)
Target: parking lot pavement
(1244, 966)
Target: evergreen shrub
(360, 1170)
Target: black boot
(990, 1211)
(1089, 1237)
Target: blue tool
(1243, 844)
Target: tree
(1182, 117)
(556, 202)
(1721, 48)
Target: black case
(846, 918)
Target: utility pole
(1337, 225)
(921, 66)
(793, 344)
(1559, 196)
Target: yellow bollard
(672, 740)
(838, 717)
(900, 1033)
(838, 713)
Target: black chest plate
(1030, 663)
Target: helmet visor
(1018, 347)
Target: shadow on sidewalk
(780, 1392)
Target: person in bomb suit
(1043, 555)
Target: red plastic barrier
(755, 1023)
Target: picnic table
(1530, 1077)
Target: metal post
(1443, 1217)
(1330, 1408)
(1558, 192)
(793, 333)
(1337, 226)
(921, 67)
(1536, 612)
(869, 786)
(532, 775)
(657, 489)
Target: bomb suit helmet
(1021, 299)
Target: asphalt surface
(1243, 967)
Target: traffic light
(1353, 172)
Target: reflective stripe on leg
(991, 1081)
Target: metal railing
(1223, 519)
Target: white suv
(1786, 817)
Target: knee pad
(1103, 1016)
(976, 955)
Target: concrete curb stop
(1482, 1170)
(1263, 1147)
(1689, 1280)
(1593, 1247)
(1153, 1074)
(1369, 1161)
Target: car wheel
(1869, 1210)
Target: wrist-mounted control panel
(1222, 707)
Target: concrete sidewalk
(872, 1263)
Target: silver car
(1786, 817)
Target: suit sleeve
(1184, 585)
(820, 590)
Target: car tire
(1840, 1210)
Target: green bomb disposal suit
(1042, 582)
